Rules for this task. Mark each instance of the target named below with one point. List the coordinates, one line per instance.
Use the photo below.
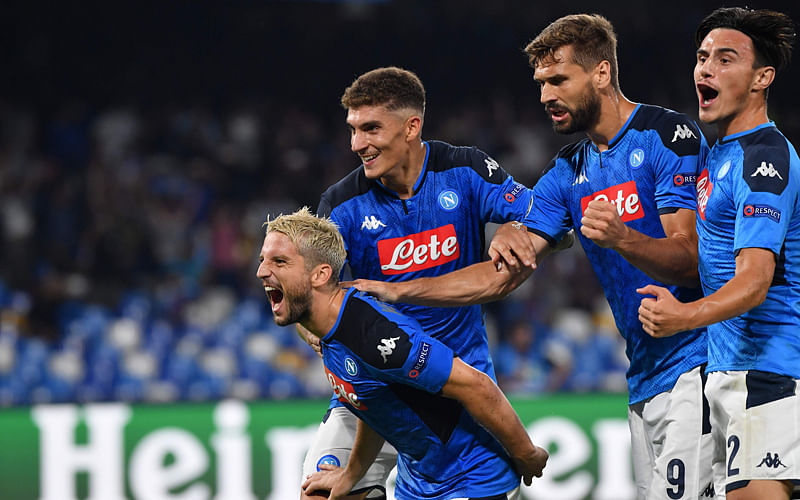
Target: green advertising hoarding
(231, 450)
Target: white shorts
(755, 418)
(332, 445)
(671, 442)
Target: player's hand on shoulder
(511, 246)
(309, 338)
(602, 224)
(381, 289)
(329, 478)
(532, 464)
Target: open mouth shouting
(275, 297)
(707, 94)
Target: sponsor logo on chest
(704, 187)
(418, 251)
(624, 196)
(344, 391)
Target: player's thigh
(332, 445)
(677, 424)
(758, 415)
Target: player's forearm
(366, 446)
(746, 290)
(475, 284)
(670, 260)
(491, 409)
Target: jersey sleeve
(549, 215)
(499, 196)
(764, 198)
(676, 156)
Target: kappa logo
(683, 132)
(580, 179)
(771, 462)
(708, 492)
(491, 165)
(624, 196)
(386, 347)
(419, 251)
(704, 187)
(766, 170)
(371, 223)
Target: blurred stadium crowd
(131, 212)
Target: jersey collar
(327, 336)
(624, 128)
(737, 135)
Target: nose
(263, 271)
(704, 68)
(358, 141)
(546, 92)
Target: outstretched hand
(512, 246)
(663, 315)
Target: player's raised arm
(481, 397)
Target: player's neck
(750, 117)
(402, 178)
(615, 110)
(324, 311)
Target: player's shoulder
(678, 133)
(348, 187)
(570, 156)
(766, 159)
(374, 331)
(443, 156)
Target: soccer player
(749, 253)
(628, 191)
(413, 208)
(414, 391)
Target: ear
(601, 75)
(763, 78)
(320, 275)
(413, 127)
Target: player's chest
(715, 203)
(620, 177)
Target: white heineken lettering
(405, 254)
(766, 170)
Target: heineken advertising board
(231, 450)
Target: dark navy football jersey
(389, 373)
(649, 169)
(438, 230)
(747, 197)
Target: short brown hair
(393, 87)
(591, 36)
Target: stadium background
(142, 145)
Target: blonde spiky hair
(317, 239)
